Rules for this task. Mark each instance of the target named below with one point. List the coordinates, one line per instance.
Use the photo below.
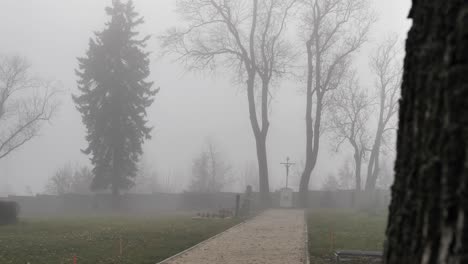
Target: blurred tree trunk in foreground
(427, 222)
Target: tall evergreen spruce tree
(113, 98)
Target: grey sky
(52, 33)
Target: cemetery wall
(76, 204)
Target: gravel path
(274, 237)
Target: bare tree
(334, 30)
(211, 173)
(167, 183)
(386, 64)
(200, 174)
(246, 36)
(220, 170)
(25, 104)
(61, 182)
(82, 179)
(147, 178)
(68, 179)
(343, 180)
(350, 114)
(331, 183)
(346, 176)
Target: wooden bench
(343, 255)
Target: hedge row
(8, 212)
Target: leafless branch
(25, 103)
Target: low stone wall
(75, 204)
(343, 199)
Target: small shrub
(8, 212)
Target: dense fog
(191, 108)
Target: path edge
(206, 240)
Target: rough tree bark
(427, 221)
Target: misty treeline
(211, 171)
(312, 44)
(76, 179)
(69, 179)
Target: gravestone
(247, 202)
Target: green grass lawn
(352, 230)
(97, 240)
